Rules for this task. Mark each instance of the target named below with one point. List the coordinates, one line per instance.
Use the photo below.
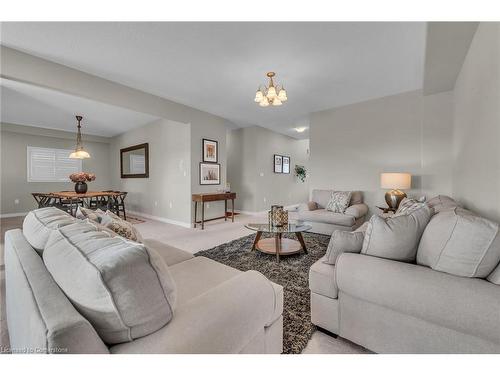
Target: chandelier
(271, 94)
(79, 152)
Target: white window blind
(51, 164)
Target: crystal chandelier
(271, 94)
(79, 153)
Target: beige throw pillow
(339, 201)
(344, 242)
(396, 237)
(123, 228)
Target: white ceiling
(35, 106)
(217, 67)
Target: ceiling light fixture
(271, 94)
(301, 129)
(79, 152)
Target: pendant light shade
(79, 152)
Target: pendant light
(79, 152)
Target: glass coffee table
(277, 244)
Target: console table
(212, 197)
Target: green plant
(301, 172)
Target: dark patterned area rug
(292, 273)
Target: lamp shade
(395, 180)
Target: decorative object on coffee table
(277, 216)
(209, 150)
(301, 172)
(80, 179)
(277, 244)
(396, 182)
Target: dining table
(72, 199)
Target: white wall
(167, 192)
(476, 137)
(250, 168)
(19, 66)
(352, 145)
(14, 185)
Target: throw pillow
(339, 201)
(343, 242)
(396, 237)
(408, 205)
(461, 243)
(86, 213)
(442, 203)
(311, 206)
(123, 228)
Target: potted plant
(80, 179)
(301, 172)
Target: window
(51, 164)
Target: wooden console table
(212, 197)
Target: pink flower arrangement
(82, 177)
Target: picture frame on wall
(210, 149)
(286, 164)
(209, 174)
(278, 164)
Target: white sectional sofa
(440, 303)
(325, 222)
(216, 309)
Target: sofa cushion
(470, 306)
(209, 275)
(408, 205)
(124, 289)
(39, 224)
(322, 279)
(459, 242)
(343, 242)
(122, 227)
(494, 277)
(441, 203)
(339, 201)
(323, 216)
(396, 237)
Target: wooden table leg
(232, 212)
(302, 242)
(202, 215)
(278, 246)
(225, 209)
(257, 238)
(195, 210)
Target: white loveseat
(324, 221)
(218, 309)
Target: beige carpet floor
(192, 240)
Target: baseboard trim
(15, 214)
(161, 219)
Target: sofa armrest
(357, 210)
(171, 255)
(222, 320)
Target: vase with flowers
(80, 179)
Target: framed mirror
(134, 161)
